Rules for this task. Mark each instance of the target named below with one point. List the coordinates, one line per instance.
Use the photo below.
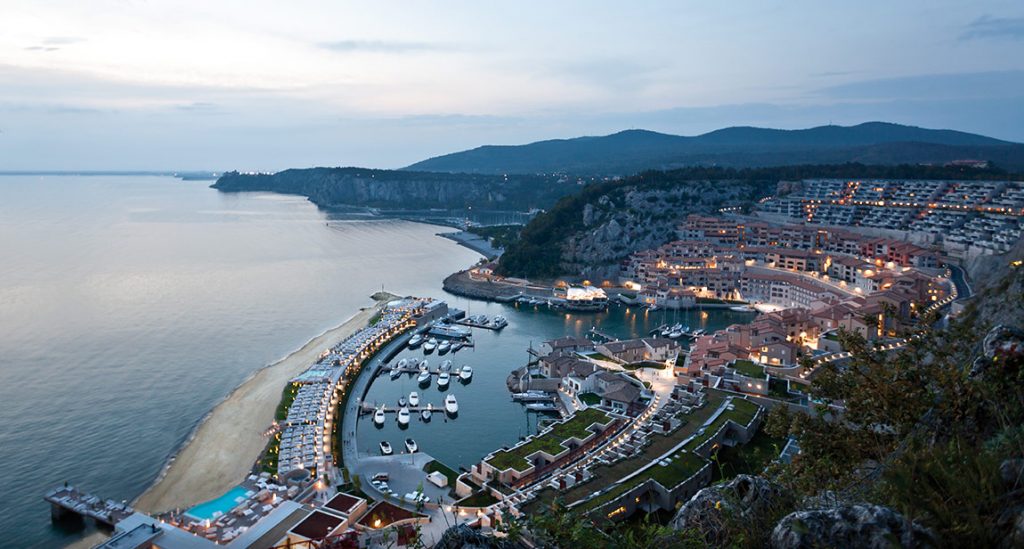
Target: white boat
(424, 378)
(458, 345)
(443, 379)
(450, 404)
(385, 448)
(542, 407)
(403, 416)
(466, 372)
(411, 446)
(427, 412)
(430, 345)
(403, 363)
(424, 365)
(499, 322)
(378, 416)
(414, 399)
(396, 373)
(416, 341)
(401, 401)
(444, 347)
(446, 366)
(675, 334)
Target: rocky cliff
(331, 188)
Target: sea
(131, 305)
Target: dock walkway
(68, 501)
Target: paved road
(959, 278)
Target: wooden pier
(68, 502)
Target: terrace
(551, 442)
(747, 368)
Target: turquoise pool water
(225, 503)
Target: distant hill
(632, 151)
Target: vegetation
(481, 498)
(748, 368)
(287, 398)
(590, 399)
(500, 236)
(448, 472)
(550, 442)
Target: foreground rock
(716, 511)
(852, 526)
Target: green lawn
(287, 398)
(590, 399)
(550, 442)
(483, 498)
(435, 465)
(751, 458)
(597, 356)
(748, 368)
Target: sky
(268, 85)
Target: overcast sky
(269, 85)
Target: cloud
(965, 85)
(987, 26)
(41, 48)
(62, 40)
(384, 46)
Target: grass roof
(550, 442)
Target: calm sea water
(130, 305)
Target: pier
(367, 408)
(68, 502)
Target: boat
(403, 363)
(458, 345)
(446, 366)
(414, 399)
(403, 416)
(427, 412)
(378, 416)
(743, 309)
(443, 379)
(499, 322)
(424, 365)
(385, 448)
(401, 401)
(466, 372)
(411, 446)
(444, 347)
(416, 341)
(451, 405)
(396, 373)
(666, 330)
(424, 378)
(675, 334)
(542, 407)
(430, 345)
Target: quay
(367, 408)
(69, 502)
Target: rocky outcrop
(850, 526)
(1002, 345)
(745, 500)
(332, 188)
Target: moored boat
(444, 347)
(466, 372)
(427, 412)
(424, 365)
(411, 446)
(424, 378)
(414, 399)
(378, 416)
(385, 448)
(443, 379)
(446, 366)
(401, 401)
(396, 373)
(416, 341)
(458, 345)
(451, 405)
(403, 416)
(430, 345)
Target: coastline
(227, 441)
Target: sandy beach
(223, 449)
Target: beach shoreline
(221, 450)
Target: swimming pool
(225, 503)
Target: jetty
(367, 408)
(69, 502)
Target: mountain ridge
(633, 150)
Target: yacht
(451, 405)
(378, 416)
(401, 402)
(446, 366)
(424, 378)
(499, 322)
(403, 416)
(385, 448)
(396, 373)
(466, 372)
(443, 379)
(416, 341)
(675, 334)
(414, 399)
(430, 345)
(458, 345)
(444, 347)
(403, 363)
(411, 446)
(427, 412)
(424, 365)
